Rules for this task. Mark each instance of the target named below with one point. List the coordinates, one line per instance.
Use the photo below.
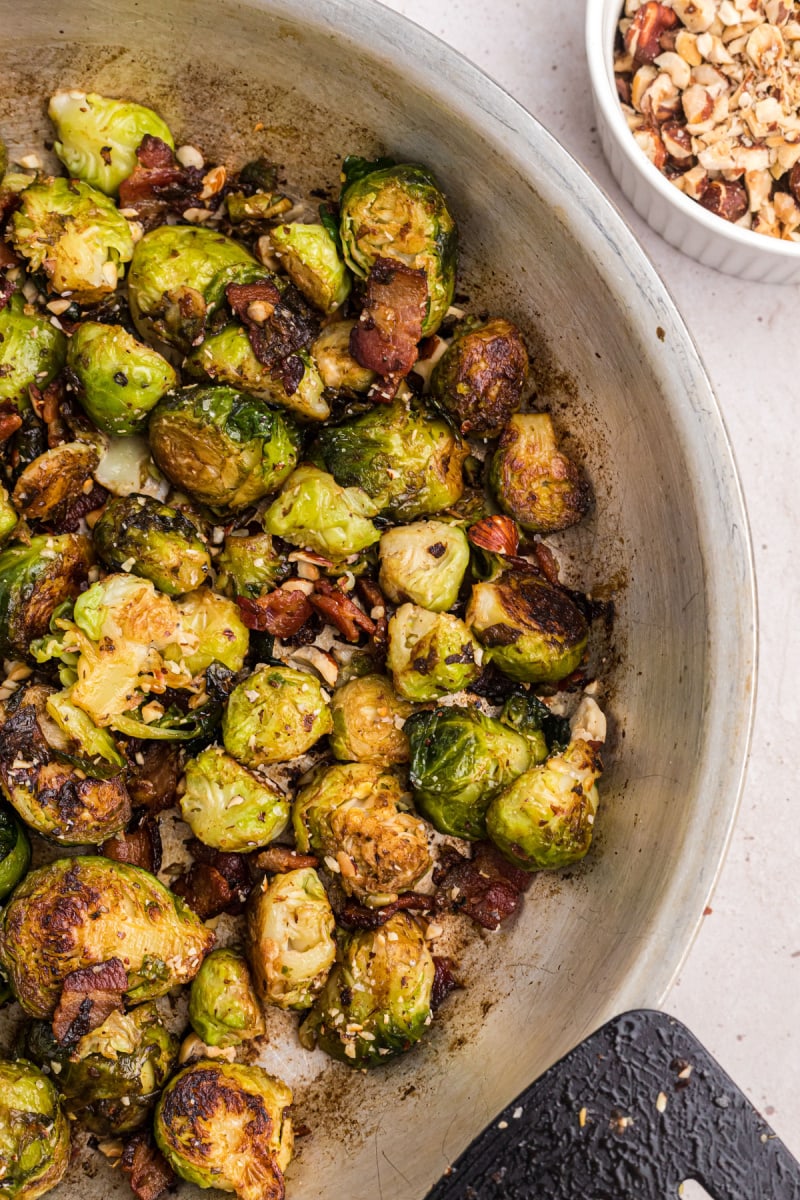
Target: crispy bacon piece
(372, 598)
(159, 184)
(278, 324)
(486, 887)
(10, 422)
(140, 846)
(390, 326)
(339, 610)
(234, 869)
(149, 1172)
(78, 508)
(254, 302)
(153, 773)
(88, 996)
(205, 890)
(47, 406)
(282, 613)
(359, 916)
(280, 859)
(443, 981)
(7, 288)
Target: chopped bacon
(280, 859)
(150, 1173)
(82, 504)
(278, 324)
(359, 916)
(486, 887)
(153, 773)
(282, 613)
(254, 302)
(339, 610)
(205, 891)
(443, 981)
(159, 184)
(7, 288)
(140, 846)
(390, 326)
(10, 422)
(47, 405)
(153, 153)
(88, 997)
(234, 869)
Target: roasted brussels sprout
(274, 715)
(120, 380)
(111, 1080)
(355, 816)
(223, 1008)
(35, 578)
(290, 942)
(178, 277)
(399, 212)
(8, 516)
(430, 654)
(227, 357)
(368, 719)
(223, 447)
(529, 628)
(137, 534)
(315, 512)
(526, 714)
(408, 462)
(339, 370)
(98, 137)
(87, 740)
(126, 467)
(249, 565)
(258, 206)
(49, 484)
(228, 807)
(226, 1125)
(460, 759)
(377, 1001)
(15, 851)
(535, 483)
(34, 1133)
(102, 909)
(32, 351)
(425, 563)
(479, 379)
(211, 630)
(75, 235)
(310, 257)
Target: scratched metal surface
(617, 368)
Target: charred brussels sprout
(377, 1001)
(75, 235)
(15, 851)
(49, 484)
(228, 807)
(178, 278)
(249, 565)
(35, 578)
(94, 901)
(223, 447)
(32, 351)
(98, 137)
(408, 462)
(425, 563)
(339, 370)
(480, 377)
(460, 759)
(534, 482)
(529, 628)
(34, 1133)
(310, 258)
(274, 715)
(120, 379)
(399, 212)
(226, 1125)
(223, 1008)
(111, 1080)
(315, 512)
(290, 938)
(430, 654)
(355, 815)
(368, 719)
(137, 534)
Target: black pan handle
(634, 1111)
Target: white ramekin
(680, 221)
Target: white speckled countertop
(739, 990)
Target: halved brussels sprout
(32, 351)
(75, 235)
(226, 1125)
(315, 512)
(48, 485)
(534, 482)
(399, 212)
(102, 910)
(460, 759)
(230, 808)
(258, 206)
(368, 719)
(356, 816)
(274, 715)
(137, 534)
(408, 462)
(425, 563)
(430, 654)
(178, 277)
(34, 1133)
(111, 1080)
(35, 578)
(126, 467)
(310, 257)
(223, 1008)
(249, 565)
(215, 626)
(227, 357)
(98, 137)
(339, 370)
(8, 516)
(224, 447)
(530, 629)
(120, 379)
(479, 379)
(15, 851)
(88, 740)
(290, 942)
(377, 1001)
(545, 819)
